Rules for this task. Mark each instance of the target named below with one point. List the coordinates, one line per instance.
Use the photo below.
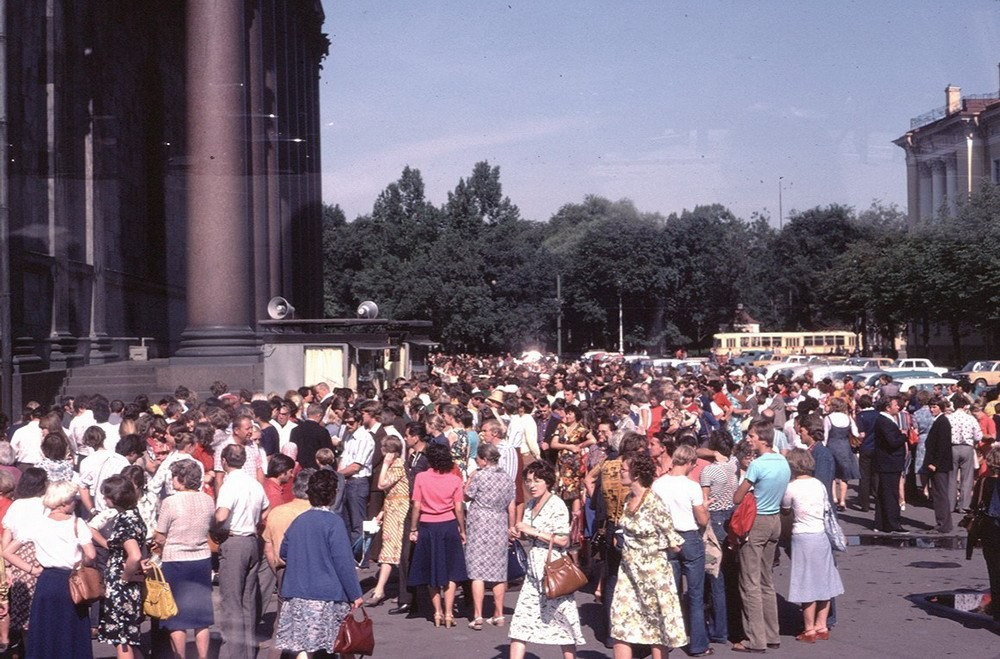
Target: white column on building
(926, 201)
(937, 186)
(951, 185)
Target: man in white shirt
(686, 503)
(284, 424)
(356, 467)
(965, 434)
(529, 439)
(27, 442)
(102, 419)
(242, 435)
(240, 508)
(102, 464)
(82, 419)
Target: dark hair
(322, 488)
(55, 446)
(632, 442)
(542, 471)
(101, 410)
(720, 441)
(279, 464)
(261, 409)
(119, 492)
(812, 425)
(94, 437)
(864, 400)
(137, 475)
(642, 467)
(31, 484)
(439, 458)
(129, 444)
(416, 428)
(234, 455)
(188, 473)
(958, 401)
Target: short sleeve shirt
(769, 474)
(437, 493)
(680, 494)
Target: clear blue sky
(670, 104)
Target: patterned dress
(645, 608)
(538, 619)
(569, 465)
(460, 450)
(121, 608)
(490, 490)
(395, 509)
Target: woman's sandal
(806, 637)
(822, 634)
(498, 621)
(449, 621)
(477, 624)
(438, 618)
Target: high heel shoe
(438, 618)
(449, 621)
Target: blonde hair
(684, 455)
(59, 493)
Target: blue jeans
(690, 561)
(718, 623)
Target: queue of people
(287, 498)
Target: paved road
(876, 618)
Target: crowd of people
(285, 498)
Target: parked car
(981, 373)
(869, 362)
(748, 357)
(870, 378)
(925, 384)
(915, 364)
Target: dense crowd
(671, 487)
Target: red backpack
(742, 521)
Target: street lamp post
(781, 214)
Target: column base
(218, 341)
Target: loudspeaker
(368, 309)
(279, 308)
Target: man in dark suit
(888, 460)
(938, 464)
(309, 436)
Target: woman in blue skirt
(62, 541)
(438, 532)
(182, 531)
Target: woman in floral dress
(571, 439)
(121, 608)
(645, 609)
(391, 480)
(537, 618)
(490, 493)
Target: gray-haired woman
(182, 531)
(490, 493)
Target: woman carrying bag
(62, 542)
(538, 618)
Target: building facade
(949, 152)
(164, 174)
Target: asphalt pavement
(896, 604)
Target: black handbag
(517, 561)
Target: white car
(925, 384)
(911, 364)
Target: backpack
(742, 521)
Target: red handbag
(742, 521)
(355, 636)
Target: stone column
(912, 187)
(951, 185)
(926, 200)
(219, 252)
(937, 187)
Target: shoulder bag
(517, 561)
(355, 636)
(159, 601)
(834, 532)
(86, 585)
(562, 576)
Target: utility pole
(621, 325)
(559, 303)
(781, 214)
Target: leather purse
(159, 601)
(355, 636)
(86, 585)
(562, 576)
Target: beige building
(950, 151)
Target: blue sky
(670, 104)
